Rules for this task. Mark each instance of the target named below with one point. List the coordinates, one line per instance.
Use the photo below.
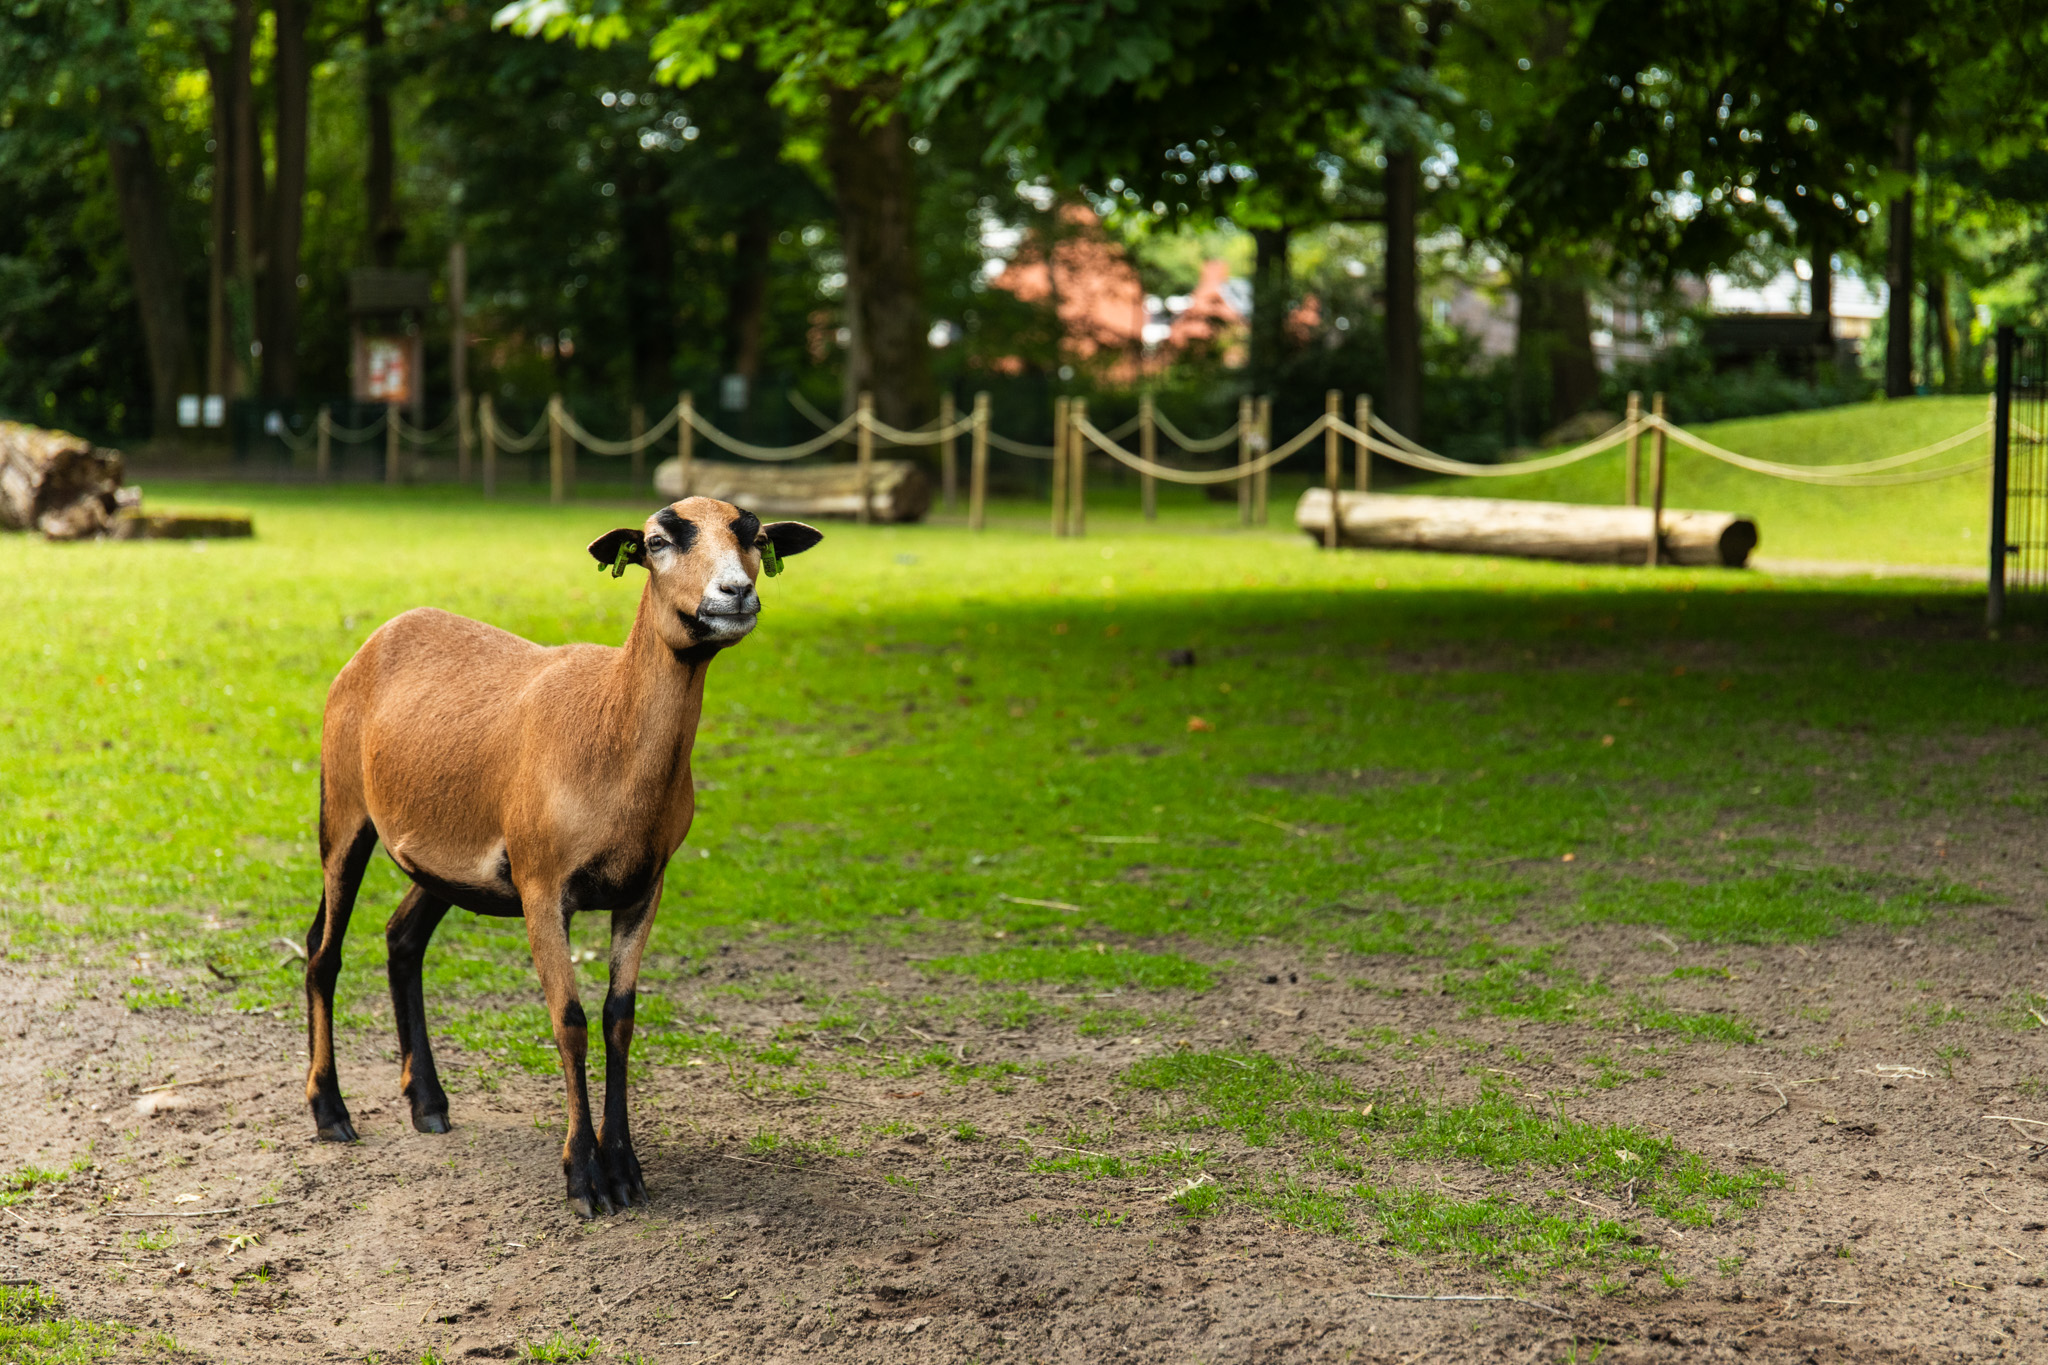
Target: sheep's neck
(657, 696)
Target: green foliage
(33, 1333)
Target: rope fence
(1074, 433)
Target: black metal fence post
(2001, 471)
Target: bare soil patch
(1911, 1226)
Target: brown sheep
(512, 779)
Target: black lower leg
(615, 1141)
(406, 936)
(343, 866)
(589, 1190)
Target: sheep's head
(702, 557)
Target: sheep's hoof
(430, 1122)
(587, 1186)
(340, 1130)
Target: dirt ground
(1912, 1227)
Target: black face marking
(681, 530)
(746, 528)
(696, 656)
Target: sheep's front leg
(630, 932)
(547, 934)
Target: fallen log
(897, 489)
(57, 483)
(1527, 530)
(132, 523)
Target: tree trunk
(56, 483)
(247, 205)
(650, 280)
(145, 210)
(1554, 341)
(1272, 291)
(220, 224)
(1574, 532)
(1401, 404)
(291, 78)
(1820, 308)
(897, 489)
(746, 298)
(387, 233)
(868, 158)
(1898, 266)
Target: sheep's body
(435, 709)
(509, 778)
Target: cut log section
(897, 489)
(57, 483)
(1527, 530)
(136, 524)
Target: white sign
(216, 411)
(188, 409)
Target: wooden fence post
(864, 452)
(639, 424)
(1656, 485)
(465, 435)
(1333, 461)
(1148, 448)
(392, 470)
(686, 438)
(949, 458)
(1260, 479)
(1247, 437)
(1632, 467)
(1059, 466)
(1077, 470)
(323, 449)
(977, 476)
(558, 476)
(487, 423)
(1363, 478)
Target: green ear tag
(771, 562)
(628, 552)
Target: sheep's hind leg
(411, 926)
(547, 934)
(343, 861)
(630, 931)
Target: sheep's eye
(656, 543)
(761, 544)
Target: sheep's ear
(614, 550)
(791, 537)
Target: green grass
(1335, 1133)
(975, 752)
(34, 1332)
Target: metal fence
(2019, 478)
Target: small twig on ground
(1987, 1199)
(2039, 1017)
(2010, 1252)
(1783, 1105)
(1053, 1146)
(203, 1080)
(1965, 1284)
(199, 1213)
(1298, 831)
(17, 1217)
(17, 1284)
(1469, 1298)
(1597, 1208)
(1664, 939)
(2015, 1118)
(1852, 1303)
(1187, 1186)
(297, 950)
(919, 1032)
(1043, 905)
(228, 977)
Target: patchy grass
(1337, 1132)
(33, 1330)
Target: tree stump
(57, 483)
